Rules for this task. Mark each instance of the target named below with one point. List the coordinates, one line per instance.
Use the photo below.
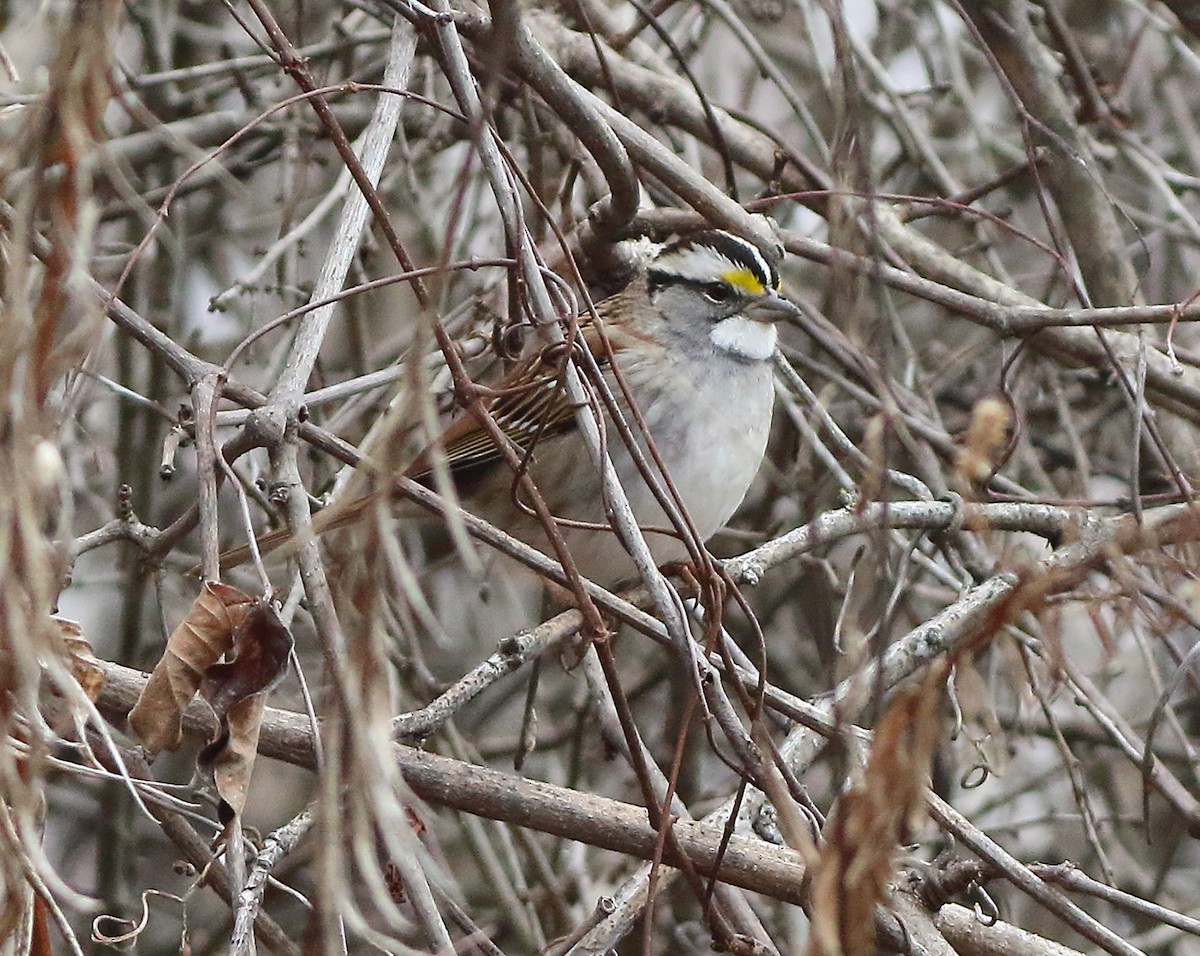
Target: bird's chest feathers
(744, 338)
(712, 441)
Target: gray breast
(710, 430)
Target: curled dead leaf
(986, 442)
(237, 691)
(228, 761)
(261, 645)
(197, 643)
(870, 821)
(84, 665)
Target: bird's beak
(771, 308)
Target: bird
(693, 337)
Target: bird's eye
(718, 292)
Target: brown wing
(532, 405)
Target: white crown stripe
(699, 264)
(702, 261)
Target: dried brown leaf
(870, 821)
(986, 442)
(261, 645)
(39, 944)
(228, 761)
(198, 642)
(237, 692)
(84, 666)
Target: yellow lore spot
(745, 280)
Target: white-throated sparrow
(692, 336)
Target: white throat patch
(745, 337)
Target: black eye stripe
(659, 279)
